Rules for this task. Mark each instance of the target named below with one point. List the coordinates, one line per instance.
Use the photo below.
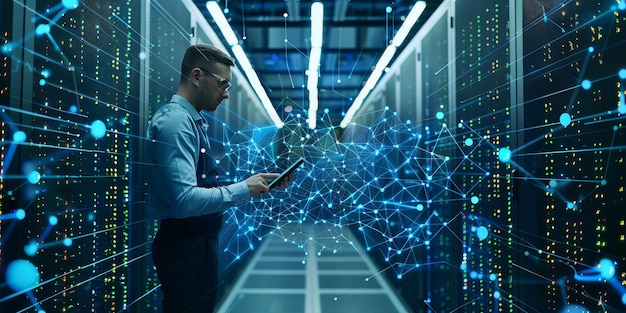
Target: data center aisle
(277, 281)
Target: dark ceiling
(355, 35)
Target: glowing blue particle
(606, 268)
(31, 248)
(565, 119)
(482, 232)
(7, 48)
(622, 6)
(622, 107)
(42, 29)
(504, 155)
(570, 205)
(42, 82)
(603, 182)
(34, 177)
(70, 4)
(553, 183)
(67, 242)
(473, 274)
(474, 200)
(469, 142)
(492, 277)
(622, 72)
(388, 9)
(19, 136)
(20, 214)
(586, 84)
(399, 276)
(98, 129)
(439, 115)
(73, 108)
(496, 294)
(21, 275)
(420, 207)
(46, 73)
(624, 298)
(463, 266)
(53, 220)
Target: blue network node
(21, 275)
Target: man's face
(213, 86)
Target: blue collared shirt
(174, 148)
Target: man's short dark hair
(203, 56)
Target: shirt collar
(189, 107)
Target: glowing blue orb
(553, 183)
(586, 84)
(420, 207)
(496, 294)
(70, 4)
(31, 248)
(482, 233)
(21, 275)
(439, 115)
(42, 82)
(591, 49)
(606, 268)
(42, 29)
(622, 107)
(19, 136)
(492, 277)
(73, 108)
(20, 214)
(504, 155)
(624, 298)
(570, 205)
(34, 177)
(7, 48)
(474, 200)
(53, 220)
(46, 73)
(68, 242)
(98, 129)
(565, 119)
(463, 266)
(388, 9)
(622, 72)
(469, 142)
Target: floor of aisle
(280, 278)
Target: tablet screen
(285, 173)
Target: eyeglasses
(224, 84)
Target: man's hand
(258, 183)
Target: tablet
(286, 173)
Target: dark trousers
(186, 262)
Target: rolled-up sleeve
(173, 150)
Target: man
(184, 185)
